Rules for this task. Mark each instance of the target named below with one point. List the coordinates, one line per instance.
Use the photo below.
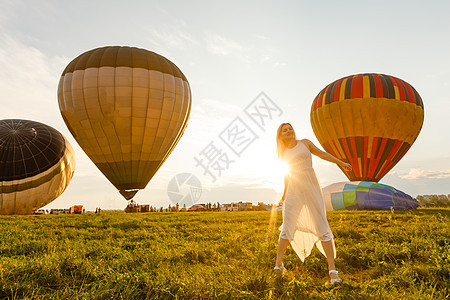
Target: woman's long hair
(281, 146)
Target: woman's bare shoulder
(310, 145)
(305, 141)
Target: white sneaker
(334, 276)
(280, 271)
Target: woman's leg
(282, 245)
(329, 252)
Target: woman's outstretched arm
(326, 156)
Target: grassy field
(381, 255)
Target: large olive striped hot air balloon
(36, 165)
(368, 120)
(127, 108)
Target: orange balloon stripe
(379, 168)
(378, 87)
(365, 160)
(409, 93)
(394, 150)
(316, 101)
(382, 146)
(355, 156)
(373, 163)
(344, 145)
(400, 89)
(357, 87)
(320, 101)
(337, 90)
(402, 151)
(381, 159)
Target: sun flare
(279, 168)
(270, 169)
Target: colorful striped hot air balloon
(36, 165)
(368, 120)
(127, 108)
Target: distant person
(304, 217)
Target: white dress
(304, 217)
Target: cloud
(172, 37)
(7, 9)
(28, 81)
(279, 64)
(416, 173)
(220, 45)
(255, 50)
(262, 37)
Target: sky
(233, 53)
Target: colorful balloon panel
(369, 121)
(363, 195)
(127, 108)
(36, 165)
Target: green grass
(380, 255)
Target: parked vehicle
(197, 207)
(39, 212)
(76, 209)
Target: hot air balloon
(368, 120)
(36, 165)
(358, 195)
(127, 108)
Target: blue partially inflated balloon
(363, 195)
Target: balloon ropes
(127, 108)
(368, 120)
(36, 165)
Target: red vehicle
(76, 209)
(197, 207)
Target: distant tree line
(240, 206)
(434, 200)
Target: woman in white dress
(304, 217)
